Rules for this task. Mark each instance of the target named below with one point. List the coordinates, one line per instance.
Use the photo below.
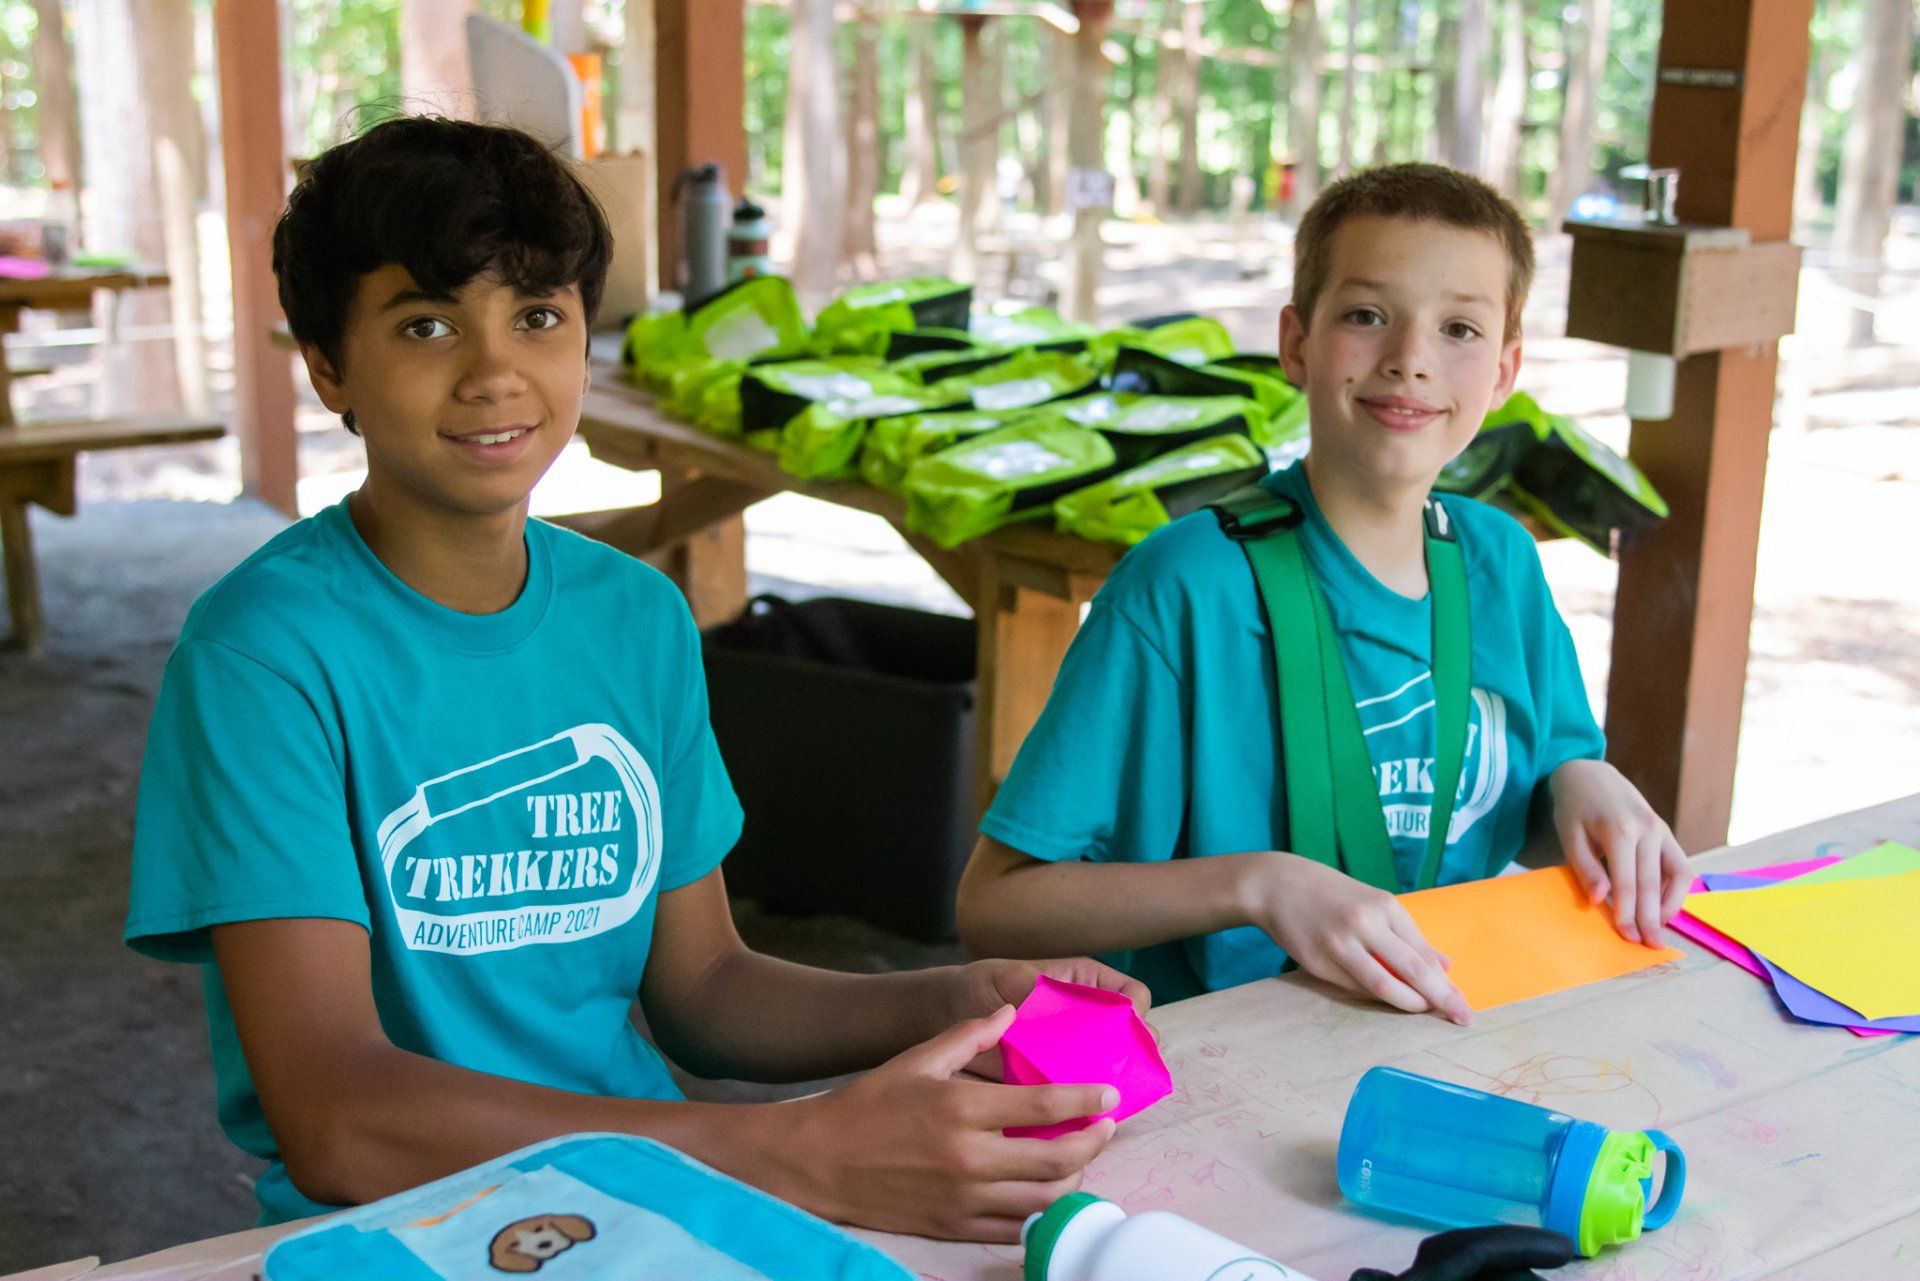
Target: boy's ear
(325, 378)
(1293, 338)
(1509, 373)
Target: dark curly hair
(445, 199)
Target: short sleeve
(1103, 774)
(701, 815)
(242, 811)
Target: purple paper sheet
(1804, 1002)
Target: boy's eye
(426, 327)
(542, 318)
(1365, 316)
(1461, 329)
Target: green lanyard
(1333, 801)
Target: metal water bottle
(704, 215)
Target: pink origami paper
(1072, 1034)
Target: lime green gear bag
(1127, 507)
(894, 444)
(1508, 434)
(1002, 476)
(820, 408)
(860, 320)
(1575, 485)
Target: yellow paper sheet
(1515, 937)
(1857, 941)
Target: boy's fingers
(1376, 980)
(1015, 1200)
(996, 1107)
(1626, 889)
(1677, 874)
(1647, 860)
(992, 1229)
(1419, 968)
(958, 1046)
(1044, 1160)
(1580, 858)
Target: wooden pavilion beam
(253, 151)
(1726, 113)
(700, 104)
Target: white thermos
(1082, 1237)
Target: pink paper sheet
(1720, 945)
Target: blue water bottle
(1459, 1157)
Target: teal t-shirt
(1160, 738)
(498, 799)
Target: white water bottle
(1081, 1237)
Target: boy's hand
(1353, 936)
(907, 1148)
(982, 987)
(1618, 846)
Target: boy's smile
(1406, 350)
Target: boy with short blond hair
(1149, 815)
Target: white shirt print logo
(549, 843)
(1406, 715)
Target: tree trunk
(1165, 88)
(633, 109)
(433, 57)
(1870, 166)
(1386, 94)
(1507, 115)
(1349, 87)
(1192, 28)
(58, 107)
(1303, 111)
(981, 103)
(1059, 122)
(1586, 67)
(863, 142)
(122, 211)
(1085, 250)
(164, 29)
(921, 109)
(814, 171)
(1806, 168)
(1475, 41)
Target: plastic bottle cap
(1042, 1232)
(1616, 1200)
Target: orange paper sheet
(1515, 937)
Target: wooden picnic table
(1801, 1144)
(1025, 583)
(37, 460)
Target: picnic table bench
(37, 460)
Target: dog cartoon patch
(526, 1244)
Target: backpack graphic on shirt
(549, 843)
(1406, 778)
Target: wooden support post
(700, 104)
(1086, 152)
(700, 97)
(1726, 112)
(247, 36)
(1024, 634)
(710, 564)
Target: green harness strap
(1333, 801)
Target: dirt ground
(107, 1138)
